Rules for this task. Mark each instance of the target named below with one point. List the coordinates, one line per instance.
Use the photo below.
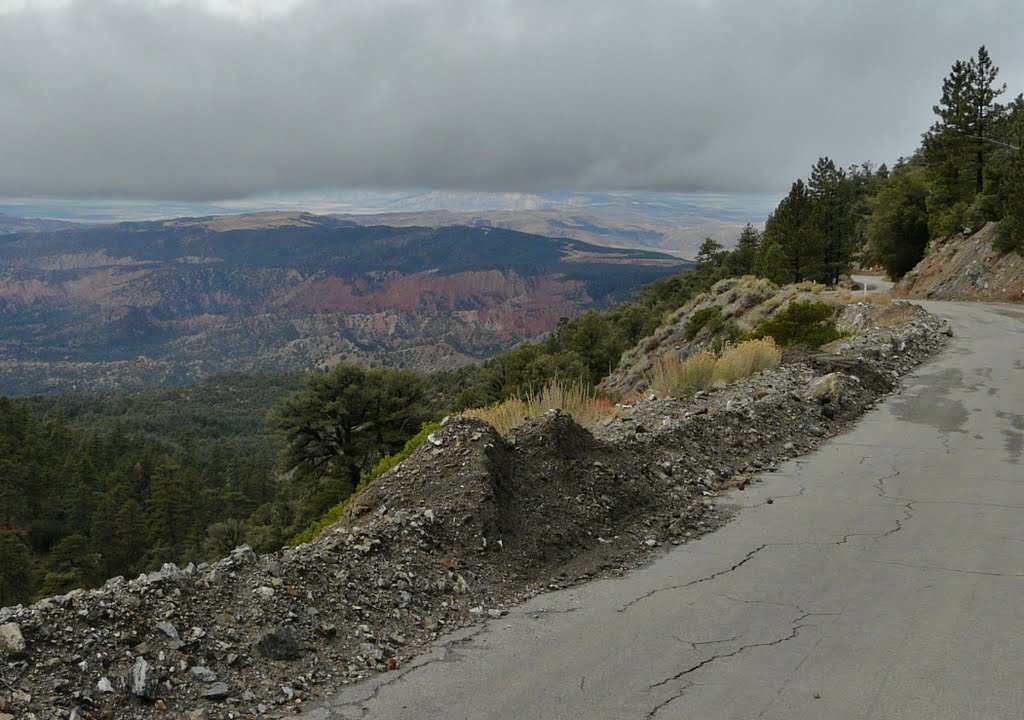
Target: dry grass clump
(583, 404)
(811, 287)
(679, 378)
(682, 378)
(852, 297)
(743, 360)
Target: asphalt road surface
(872, 283)
(886, 580)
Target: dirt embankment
(966, 268)
(469, 525)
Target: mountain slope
(174, 300)
(966, 268)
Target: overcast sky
(212, 99)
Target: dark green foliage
(16, 570)
(800, 323)
(832, 217)
(338, 425)
(383, 465)
(710, 252)
(898, 228)
(968, 148)
(745, 254)
(1011, 228)
(343, 419)
(709, 317)
(791, 229)
(818, 227)
(113, 485)
(70, 565)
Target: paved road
(885, 581)
(872, 283)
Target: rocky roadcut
(471, 524)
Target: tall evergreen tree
(898, 228)
(791, 228)
(744, 255)
(15, 570)
(959, 145)
(831, 216)
(984, 110)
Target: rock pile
(470, 524)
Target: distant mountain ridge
(175, 300)
(14, 224)
(668, 222)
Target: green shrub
(709, 317)
(801, 323)
(727, 336)
(387, 462)
(1009, 237)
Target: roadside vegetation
(682, 377)
(578, 400)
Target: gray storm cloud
(170, 100)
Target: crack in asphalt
(880, 485)
(797, 625)
(749, 556)
(946, 569)
(908, 514)
(694, 644)
(448, 655)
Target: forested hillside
(968, 170)
(92, 487)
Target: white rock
(11, 640)
(141, 680)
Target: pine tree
(791, 228)
(744, 255)
(710, 252)
(129, 541)
(70, 565)
(831, 210)
(984, 110)
(772, 263)
(15, 570)
(898, 227)
(959, 145)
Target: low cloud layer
(195, 100)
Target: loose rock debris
(470, 525)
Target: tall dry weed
(746, 359)
(682, 378)
(583, 404)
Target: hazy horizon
(194, 101)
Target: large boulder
(11, 640)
